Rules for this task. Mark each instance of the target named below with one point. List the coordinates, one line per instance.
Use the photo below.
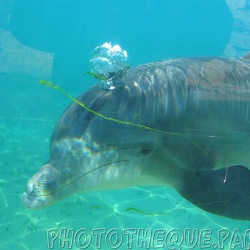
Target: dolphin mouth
(40, 187)
(32, 198)
(43, 189)
(32, 202)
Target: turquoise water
(29, 111)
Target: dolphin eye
(147, 148)
(145, 151)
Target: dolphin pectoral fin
(224, 192)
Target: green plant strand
(96, 76)
(51, 85)
(144, 212)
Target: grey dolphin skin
(183, 123)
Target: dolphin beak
(39, 189)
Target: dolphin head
(83, 167)
(103, 142)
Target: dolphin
(182, 123)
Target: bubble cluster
(109, 62)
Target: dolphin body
(180, 122)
